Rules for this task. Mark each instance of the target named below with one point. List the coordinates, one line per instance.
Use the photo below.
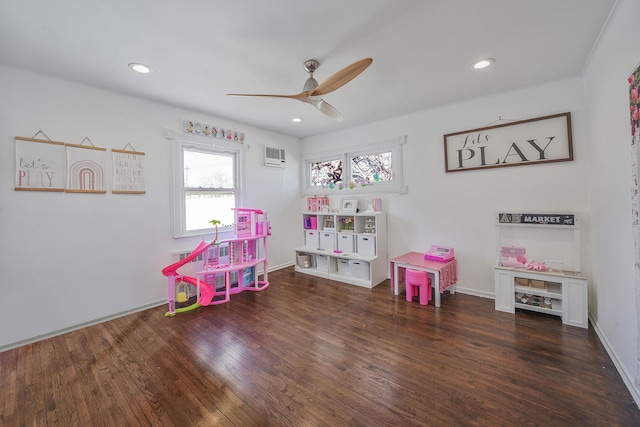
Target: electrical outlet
(553, 264)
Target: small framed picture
(348, 204)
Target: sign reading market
(537, 218)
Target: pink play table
(445, 274)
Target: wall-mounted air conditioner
(274, 157)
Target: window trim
(395, 186)
(178, 208)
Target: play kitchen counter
(561, 293)
(550, 282)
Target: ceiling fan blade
(299, 96)
(342, 77)
(327, 108)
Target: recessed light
(140, 68)
(483, 63)
(296, 120)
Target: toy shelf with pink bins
(229, 266)
(538, 266)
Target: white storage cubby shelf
(347, 247)
(561, 291)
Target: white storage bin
(367, 245)
(312, 238)
(343, 266)
(346, 243)
(327, 241)
(359, 269)
(322, 262)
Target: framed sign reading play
(525, 142)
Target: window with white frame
(325, 172)
(374, 168)
(206, 187)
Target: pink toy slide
(206, 291)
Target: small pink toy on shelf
(535, 266)
(512, 256)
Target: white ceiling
(201, 50)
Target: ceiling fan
(312, 92)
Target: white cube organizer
(367, 245)
(365, 242)
(343, 267)
(327, 240)
(359, 269)
(346, 243)
(312, 238)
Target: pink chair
(418, 280)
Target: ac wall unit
(274, 157)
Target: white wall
(67, 259)
(613, 298)
(457, 209)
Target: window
(373, 167)
(376, 168)
(206, 187)
(324, 172)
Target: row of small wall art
(47, 165)
(212, 131)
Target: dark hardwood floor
(312, 352)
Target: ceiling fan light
(483, 63)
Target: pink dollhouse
(229, 266)
(315, 203)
